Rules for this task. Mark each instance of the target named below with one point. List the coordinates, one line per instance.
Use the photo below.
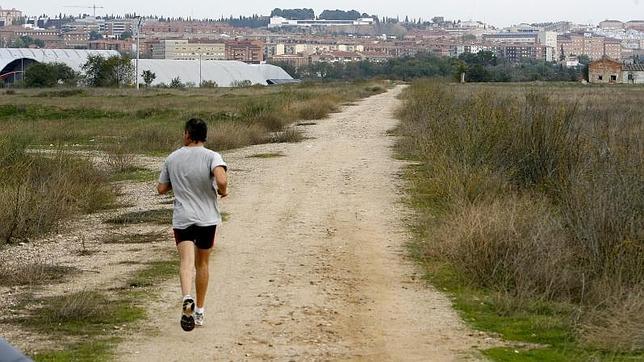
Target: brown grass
(536, 196)
(34, 274)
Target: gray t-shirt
(189, 171)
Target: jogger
(196, 175)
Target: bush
(241, 84)
(176, 83)
(208, 84)
(50, 75)
(40, 191)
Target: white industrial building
(278, 22)
(225, 73)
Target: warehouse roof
(74, 58)
(223, 72)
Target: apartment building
(121, 46)
(182, 49)
(247, 51)
(9, 17)
(115, 28)
(87, 25)
(514, 37)
(51, 38)
(595, 47)
(75, 39)
(611, 25)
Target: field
(41, 191)
(73, 242)
(531, 211)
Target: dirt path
(311, 265)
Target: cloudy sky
(496, 12)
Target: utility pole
(138, 44)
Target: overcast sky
(495, 12)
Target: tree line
(484, 66)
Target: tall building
(595, 47)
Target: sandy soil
(311, 264)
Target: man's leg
(186, 251)
(201, 264)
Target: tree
(148, 77)
(126, 35)
(584, 59)
(27, 41)
(41, 75)
(340, 15)
(294, 14)
(115, 71)
(95, 35)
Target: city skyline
(486, 11)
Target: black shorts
(202, 236)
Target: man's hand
(221, 180)
(164, 188)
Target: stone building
(605, 70)
(609, 71)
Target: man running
(196, 175)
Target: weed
(34, 274)
(290, 135)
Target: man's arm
(164, 188)
(222, 180)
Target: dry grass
(141, 238)
(151, 120)
(36, 192)
(34, 274)
(539, 196)
(159, 216)
(289, 135)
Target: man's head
(195, 130)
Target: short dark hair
(197, 129)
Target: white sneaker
(198, 319)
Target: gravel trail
(311, 264)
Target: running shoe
(198, 319)
(187, 318)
